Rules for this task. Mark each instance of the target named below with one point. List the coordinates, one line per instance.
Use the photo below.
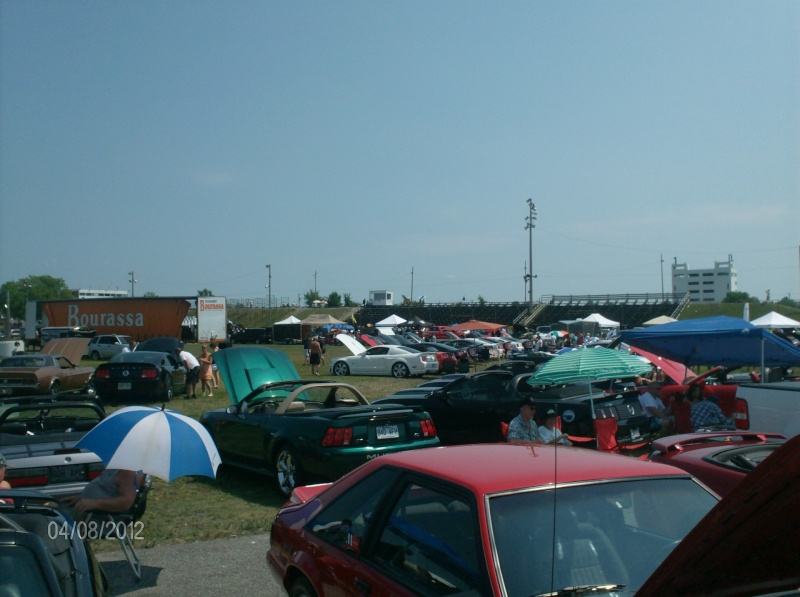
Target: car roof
(492, 468)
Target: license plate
(635, 433)
(124, 385)
(67, 474)
(387, 432)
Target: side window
(344, 522)
(430, 544)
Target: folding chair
(128, 518)
(607, 437)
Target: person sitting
(704, 413)
(549, 433)
(522, 428)
(114, 490)
(3, 483)
(658, 415)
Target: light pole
(529, 226)
(269, 293)
(133, 284)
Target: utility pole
(662, 277)
(411, 298)
(315, 283)
(269, 293)
(529, 226)
(133, 283)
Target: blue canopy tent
(721, 340)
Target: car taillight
(741, 414)
(102, 373)
(428, 428)
(149, 373)
(337, 436)
(27, 477)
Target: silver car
(38, 437)
(106, 346)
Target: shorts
(314, 358)
(193, 375)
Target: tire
(400, 370)
(95, 355)
(55, 388)
(301, 587)
(287, 469)
(169, 391)
(341, 368)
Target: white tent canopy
(661, 319)
(289, 320)
(603, 322)
(390, 321)
(775, 320)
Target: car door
(240, 436)
(374, 361)
(177, 372)
(106, 346)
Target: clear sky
(348, 143)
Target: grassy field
(237, 502)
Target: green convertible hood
(245, 368)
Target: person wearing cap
(549, 433)
(522, 428)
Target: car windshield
(34, 362)
(154, 358)
(52, 419)
(592, 534)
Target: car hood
(245, 368)
(71, 348)
(351, 343)
(747, 544)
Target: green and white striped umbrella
(589, 364)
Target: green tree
(739, 297)
(205, 292)
(787, 302)
(36, 288)
(481, 300)
(311, 296)
(348, 301)
(149, 294)
(334, 299)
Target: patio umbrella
(160, 442)
(588, 364)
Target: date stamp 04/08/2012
(96, 529)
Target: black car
(471, 408)
(140, 375)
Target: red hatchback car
(499, 519)
(720, 459)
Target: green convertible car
(302, 431)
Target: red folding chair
(607, 437)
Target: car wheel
(168, 392)
(341, 368)
(400, 370)
(55, 389)
(288, 472)
(95, 355)
(301, 587)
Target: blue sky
(195, 142)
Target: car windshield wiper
(582, 590)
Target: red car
(496, 519)
(721, 460)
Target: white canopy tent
(603, 322)
(661, 319)
(289, 320)
(390, 321)
(775, 320)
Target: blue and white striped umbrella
(162, 443)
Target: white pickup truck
(770, 407)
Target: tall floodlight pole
(529, 226)
(269, 293)
(662, 277)
(133, 284)
(411, 298)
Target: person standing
(206, 376)
(306, 344)
(522, 428)
(192, 366)
(214, 368)
(315, 355)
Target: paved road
(234, 566)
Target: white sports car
(397, 361)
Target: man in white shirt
(659, 416)
(192, 372)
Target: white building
(704, 285)
(84, 293)
(381, 298)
